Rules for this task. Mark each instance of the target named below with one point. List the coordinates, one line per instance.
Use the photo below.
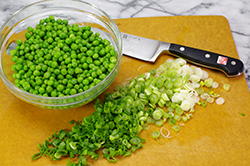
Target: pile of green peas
(57, 59)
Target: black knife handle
(230, 66)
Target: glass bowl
(75, 11)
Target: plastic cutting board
(216, 135)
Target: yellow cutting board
(216, 135)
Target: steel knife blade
(148, 50)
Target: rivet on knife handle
(230, 66)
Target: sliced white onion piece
(204, 96)
(181, 61)
(215, 85)
(210, 100)
(195, 78)
(204, 75)
(198, 72)
(186, 69)
(220, 101)
(140, 68)
(165, 136)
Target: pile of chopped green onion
(167, 94)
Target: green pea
(71, 71)
(111, 66)
(26, 86)
(54, 64)
(68, 76)
(93, 74)
(41, 90)
(74, 46)
(90, 79)
(39, 82)
(49, 89)
(65, 22)
(53, 93)
(37, 73)
(19, 42)
(95, 43)
(106, 42)
(74, 81)
(97, 81)
(78, 70)
(50, 82)
(102, 76)
(64, 71)
(113, 60)
(66, 48)
(56, 72)
(85, 66)
(59, 21)
(28, 35)
(56, 83)
(29, 29)
(73, 56)
(83, 49)
(97, 62)
(60, 88)
(74, 64)
(102, 52)
(64, 81)
(67, 91)
(73, 91)
(19, 66)
(95, 56)
(13, 53)
(85, 81)
(75, 27)
(89, 53)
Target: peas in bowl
(59, 57)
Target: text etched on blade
(127, 37)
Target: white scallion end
(215, 85)
(195, 78)
(169, 60)
(220, 101)
(189, 86)
(226, 87)
(196, 84)
(215, 95)
(129, 78)
(210, 100)
(187, 104)
(204, 74)
(204, 96)
(208, 82)
(181, 61)
(140, 68)
(158, 71)
(175, 65)
(168, 134)
(198, 72)
(187, 70)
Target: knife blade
(148, 50)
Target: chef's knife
(148, 50)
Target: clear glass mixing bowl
(75, 11)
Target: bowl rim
(38, 97)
